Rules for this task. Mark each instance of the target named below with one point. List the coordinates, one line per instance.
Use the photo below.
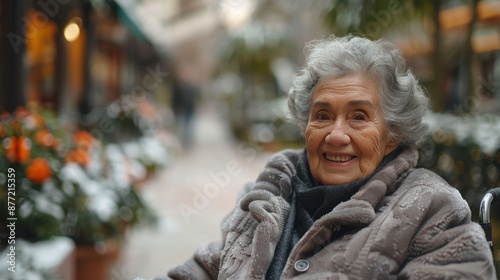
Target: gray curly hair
(403, 101)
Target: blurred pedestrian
(351, 204)
(184, 100)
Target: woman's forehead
(360, 86)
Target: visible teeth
(338, 158)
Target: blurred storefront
(75, 55)
(70, 55)
(85, 85)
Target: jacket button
(301, 265)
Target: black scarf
(309, 202)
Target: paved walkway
(191, 197)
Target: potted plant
(65, 185)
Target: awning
(159, 21)
(143, 23)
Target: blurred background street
(151, 252)
(129, 126)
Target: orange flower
(44, 138)
(83, 139)
(38, 170)
(39, 120)
(17, 149)
(78, 156)
(33, 121)
(23, 149)
(21, 112)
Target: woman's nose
(337, 136)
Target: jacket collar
(361, 209)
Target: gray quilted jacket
(411, 225)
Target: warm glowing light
(489, 42)
(71, 31)
(455, 17)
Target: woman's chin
(338, 180)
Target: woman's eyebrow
(351, 103)
(322, 104)
(361, 102)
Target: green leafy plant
(63, 182)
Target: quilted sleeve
(448, 244)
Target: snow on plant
(481, 129)
(65, 184)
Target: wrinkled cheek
(371, 154)
(312, 145)
(310, 140)
(367, 167)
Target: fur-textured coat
(409, 224)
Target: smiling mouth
(336, 158)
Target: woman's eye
(321, 116)
(359, 117)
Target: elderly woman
(351, 205)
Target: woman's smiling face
(346, 137)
